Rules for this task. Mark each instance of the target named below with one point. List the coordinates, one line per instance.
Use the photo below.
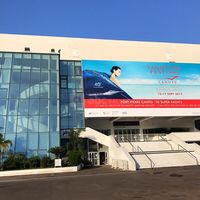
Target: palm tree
(57, 151)
(4, 145)
(74, 140)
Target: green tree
(75, 151)
(75, 142)
(4, 145)
(57, 151)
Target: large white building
(49, 85)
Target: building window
(29, 101)
(63, 82)
(71, 90)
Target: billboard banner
(127, 88)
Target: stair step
(159, 152)
(121, 142)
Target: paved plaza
(105, 183)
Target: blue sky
(139, 20)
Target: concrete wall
(163, 122)
(116, 152)
(191, 136)
(96, 49)
(77, 48)
(157, 122)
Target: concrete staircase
(169, 151)
(118, 156)
(162, 153)
(163, 159)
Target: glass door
(93, 157)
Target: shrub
(15, 161)
(46, 162)
(87, 164)
(74, 157)
(65, 162)
(34, 162)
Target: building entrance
(98, 158)
(97, 153)
(93, 157)
(103, 158)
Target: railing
(139, 137)
(185, 150)
(151, 161)
(117, 141)
(164, 139)
(133, 147)
(152, 136)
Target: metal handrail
(185, 150)
(151, 161)
(133, 147)
(152, 135)
(166, 141)
(116, 139)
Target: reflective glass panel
(54, 62)
(54, 139)
(22, 124)
(4, 76)
(44, 90)
(43, 141)
(54, 123)
(44, 62)
(14, 91)
(25, 76)
(32, 141)
(21, 142)
(23, 107)
(44, 77)
(4, 90)
(43, 123)
(34, 91)
(26, 61)
(35, 63)
(34, 107)
(7, 60)
(54, 91)
(17, 61)
(35, 77)
(54, 77)
(11, 124)
(15, 76)
(11, 137)
(24, 91)
(63, 68)
(70, 68)
(44, 107)
(33, 124)
(2, 123)
(12, 106)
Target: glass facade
(71, 96)
(29, 101)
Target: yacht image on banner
(98, 85)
